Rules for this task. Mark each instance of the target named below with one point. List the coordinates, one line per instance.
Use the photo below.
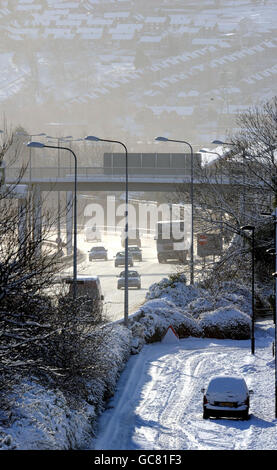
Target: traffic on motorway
(105, 258)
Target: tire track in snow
(169, 407)
(158, 403)
(118, 428)
(191, 366)
(217, 434)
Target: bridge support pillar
(69, 221)
(22, 222)
(37, 218)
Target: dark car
(133, 280)
(226, 397)
(98, 252)
(120, 259)
(135, 252)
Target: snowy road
(158, 402)
(151, 271)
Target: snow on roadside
(158, 401)
(42, 419)
(192, 311)
(39, 418)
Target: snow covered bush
(227, 294)
(43, 420)
(112, 356)
(194, 311)
(225, 322)
(47, 418)
(174, 289)
(156, 315)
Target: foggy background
(134, 69)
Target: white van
(92, 234)
(89, 286)
(133, 237)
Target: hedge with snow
(192, 311)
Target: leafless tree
(237, 188)
(38, 334)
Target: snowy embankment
(42, 419)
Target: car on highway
(120, 259)
(226, 396)
(135, 252)
(133, 279)
(98, 252)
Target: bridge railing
(53, 174)
(48, 173)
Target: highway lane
(149, 268)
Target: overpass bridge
(157, 172)
(98, 179)
(146, 173)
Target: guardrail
(66, 172)
(99, 174)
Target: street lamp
(219, 156)
(252, 229)
(275, 345)
(97, 139)
(25, 134)
(165, 139)
(214, 153)
(59, 139)
(273, 251)
(220, 142)
(41, 145)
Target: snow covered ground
(156, 394)
(158, 402)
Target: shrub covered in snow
(41, 419)
(194, 311)
(208, 301)
(225, 322)
(44, 418)
(156, 315)
(113, 355)
(175, 289)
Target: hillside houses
(168, 63)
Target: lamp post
(59, 139)
(273, 251)
(214, 153)
(252, 229)
(220, 142)
(219, 156)
(24, 134)
(165, 139)
(41, 145)
(97, 139)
